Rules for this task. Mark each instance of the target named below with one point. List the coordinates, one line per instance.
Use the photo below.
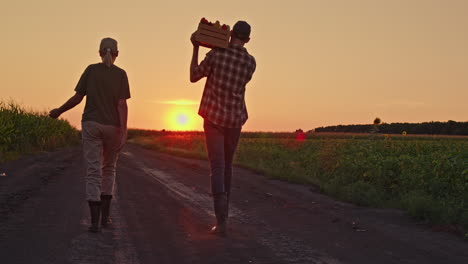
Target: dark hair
(241, 30)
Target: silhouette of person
(104, 127)
(223, 110)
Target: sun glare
(183, 118)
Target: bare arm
(194, 63)
(123, 115)
(72, 102)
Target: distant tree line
(428, 128)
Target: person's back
(104, 87)
(229, 71)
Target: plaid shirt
(227, 71)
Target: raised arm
(72, 102)
(198, 71)
(194, 62)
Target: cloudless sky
(319, 62)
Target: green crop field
(23, 132)
(425, 175)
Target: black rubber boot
(105, 209)
(220, 208)
(95, 210)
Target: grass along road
(427, 177)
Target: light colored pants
(101, 147)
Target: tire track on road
(289, 249)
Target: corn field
(23, 132)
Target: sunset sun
(182, 116)
(182, 119)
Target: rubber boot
(95, 210)
(105, 209)
(220, 208)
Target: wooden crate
(212, 36)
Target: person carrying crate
(223, 108)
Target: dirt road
(163, 210)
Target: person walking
(104, 127)
(223, 110)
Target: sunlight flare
(182, 118)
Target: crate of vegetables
(212, 35)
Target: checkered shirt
(227, 71)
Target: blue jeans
(221, 143)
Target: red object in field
(212, 35)
(300, 135)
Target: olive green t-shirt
(103, 87)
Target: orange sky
(318, 62)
